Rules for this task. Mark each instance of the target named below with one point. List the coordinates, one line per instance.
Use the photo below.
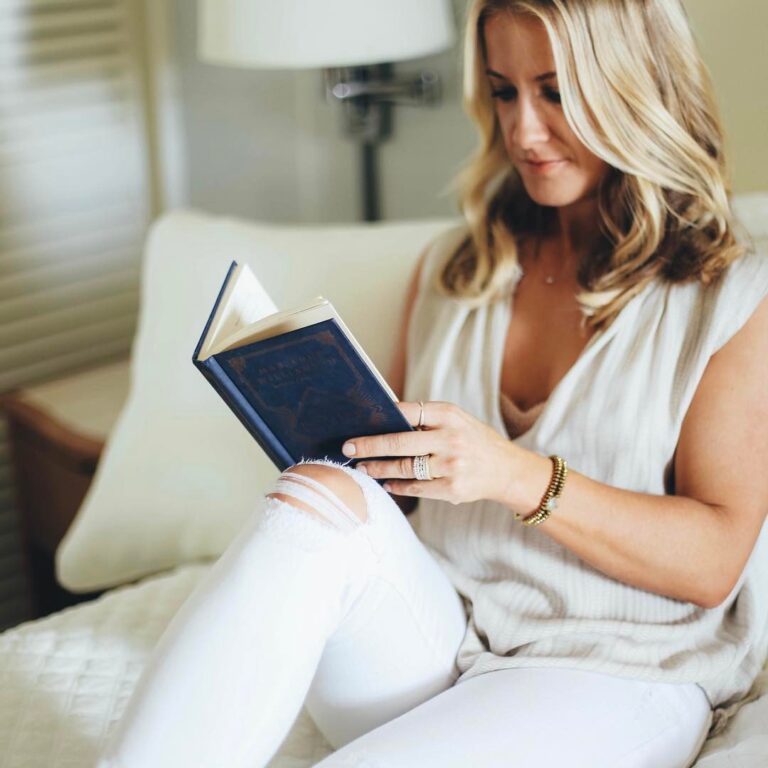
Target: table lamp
(355, 42)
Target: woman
(596, 313)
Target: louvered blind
(73, 205)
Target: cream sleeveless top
(616, 417)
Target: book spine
(230, 271)
(248, 416)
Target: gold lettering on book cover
(316, 411)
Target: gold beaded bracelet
(551, 498)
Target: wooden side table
(57, 432)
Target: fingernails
(362, 468)
(348, 449)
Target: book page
(246, 315)
(244, 302)
(315, 311)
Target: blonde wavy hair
(664, 206)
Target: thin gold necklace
(549, 279)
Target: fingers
(432, 489)
(397, 468)
(447, 430)
(393, 444)
(436, 413)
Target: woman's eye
(507, 94)
(504, 94)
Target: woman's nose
(528, 126)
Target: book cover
(301, 394)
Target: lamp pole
(369, 181)
(368, 94)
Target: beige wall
(733, 41)
(266, 145)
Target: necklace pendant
(549, 280)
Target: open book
(297, 379)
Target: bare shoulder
(435, 248)
(737, 372)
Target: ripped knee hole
(323, 491)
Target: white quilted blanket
(65, 680)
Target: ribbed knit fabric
(616, 417)
(517, 420)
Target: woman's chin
(549, 200)
(553, 197)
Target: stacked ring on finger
(421, 467)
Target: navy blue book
(298, 380)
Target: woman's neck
(577, 229)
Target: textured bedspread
(65, 681)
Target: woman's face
(556, 168)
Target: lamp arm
(420, 89)
(368, 94)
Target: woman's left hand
(468, 460)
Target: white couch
(180, 474)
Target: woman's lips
(547, 166)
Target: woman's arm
(397, 368)
(692, 546)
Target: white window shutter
(74, 204)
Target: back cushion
(179, 473)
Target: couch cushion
(179, 473)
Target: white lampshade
(297, 34)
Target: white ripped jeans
(357, 621)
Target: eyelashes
(503, 94)
(508, 94)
